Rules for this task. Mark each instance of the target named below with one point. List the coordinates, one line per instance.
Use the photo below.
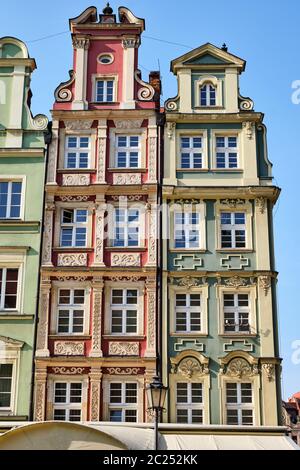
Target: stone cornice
(103, 113)
(217, 192)
(214, 117)
(93, 189)
(149, 273)
(10, 62)
(19, 152)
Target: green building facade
(220, 336)
(22, 174)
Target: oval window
(105, 59)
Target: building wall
(22, 159)
(214, 354)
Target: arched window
(207, 95)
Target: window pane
(116, 321)
(195, 321)
(246, 392)
(115, 415)
(68, 216)
(131, 296)
(5, 385)
(60, 394)
(181, 323)
(197, 416)
(63, 321)
(115, 393)
(131, 393)
(180, 300)
(75, 415)
(131, 321)
(231, 393)
(195, 300)
(182, 392)
(130, 416)
(247, 417)
(232, 417)
(64, 296)
(78, 319)
(59, 415)
(182, 416)
(11, 288)
(196, 392)
(75, 392)
(117, 296)
(79, 296)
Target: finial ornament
(224, 47)
(107, 10)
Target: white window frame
(74, 226)
(3, 289)
(57, 286)
(191, 151)
(199, 208)
(15, 260)
(114, 133)
(125, 226)
(227, 150)
(202, 289)
(208, 89)
(109, 287)
(187, 228)
(189, 406)
(191, 133)
(245, 207)
(124, 307)
(10, 351)
(77, 150)
(251, 290)
(188, 310)
(233, 228)
(216, 83)
(105, 77)
(239, 406)
(236, 310)
(123, 405)
(60, 206)
(127, 150)
(16, 179)
(240, 151)
(71, 307)
(68, 405)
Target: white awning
(229, 442)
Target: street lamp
(156, 395)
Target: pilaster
(95, 393)
(53, 154)
(101, 162)
(48, 232)
(129, 45)
(97, 286)
(43, 325)
(265, 306)
(262, 234)
(99, 232)
(40, 394)
(151, 318)
(81, 45)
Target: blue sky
(266, 34)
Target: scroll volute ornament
(190, 367)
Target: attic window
(105, 59)
(207, 95)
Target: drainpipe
(47, 138)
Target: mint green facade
(227, 342)
(22, 161)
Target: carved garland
(235, 282)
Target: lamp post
(156, 395)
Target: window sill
(239, 335)
(126, 337)
(234, 250)
(76, 170)
(226, 170)
(188, 335)
(73, 248)
(104, 103)
(187, 250)
(13, 315)
(125, 248)
(193, 170)
(127, 170)
(69, 336)
(209, 107)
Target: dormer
(208, 81)
(105, 58)
(16, 67)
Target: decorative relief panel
(123, 370)
(125, 259)
(261, 203)
(68, 370)
(190, 368)
(69, 348)
(183, 344)
(78, 125)
(265, 283)
(239, 368)
(269, 370)
(183, 262)
(235, 282)
(127, 178)
(234, 262)
(72, 259)
(76, 180)
(123, 349)
(242, 345)
(128, 123)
